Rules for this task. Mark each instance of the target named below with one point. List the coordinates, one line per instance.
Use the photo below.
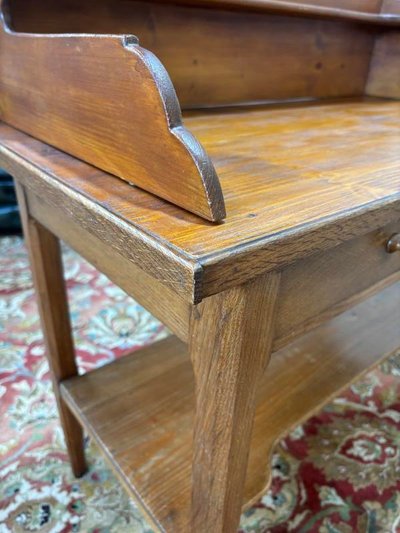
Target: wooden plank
(163, 302)
(322, 175)
(366, 11)
(384, 74)
(140, 408)
(110, 102)
(264, 55)
(21, 9)
(231, 338)
(47, 270)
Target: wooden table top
(295, 178)
(285, 167)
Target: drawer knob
(393, 244)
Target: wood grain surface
(157, 297)
(322, 175)
(110, 102)
(362, 11)
(305, 299)
(384, 71)
(231, 337)
(223, 57)
(366, 12)
(297, 7)
(140, 409)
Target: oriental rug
(337, 473)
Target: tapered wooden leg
(47, 270)
(230, 344)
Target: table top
(296, 179)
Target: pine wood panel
(110, 102)
(363, 11)
(321, 175)
(264, 55)
(140, 408)
(28, 19)
(384, 74)
(285, 166)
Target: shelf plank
(312, 370)
(139, 409)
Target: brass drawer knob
(393, 244)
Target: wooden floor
(140, 408)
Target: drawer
(323, 285)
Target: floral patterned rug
(339, 472)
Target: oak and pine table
(266, 237)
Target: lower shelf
(140, 408)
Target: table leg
(230, 343)
(47, 270)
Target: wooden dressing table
(279, 234)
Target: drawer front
(321, 286)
